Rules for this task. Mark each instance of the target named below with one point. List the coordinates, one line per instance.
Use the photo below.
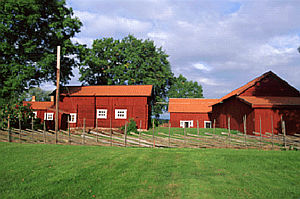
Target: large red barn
(105, 106)
(186, 112)
(265, 101)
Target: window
(34, 114)
(101, 113)
(48, 116)
(120, 114)
(207, 124)
(186, 124)
(72, 118)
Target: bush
(131, 126)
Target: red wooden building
(265, 101)
(186, 112)
(105, 106)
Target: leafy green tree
(182, 88)
(129, 61)
(40, 94)
(30, 31)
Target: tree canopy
(129, 61)
(30, 30)
(182, 88)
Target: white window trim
(191, 123)
(117, 114)
(205, 122)
(102, 116)
(70, 117)
(34, 114)
(48, 116)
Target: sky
(221, 44)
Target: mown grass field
(62, 171)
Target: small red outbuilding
(186, 112)
(265, 101)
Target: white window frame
(120, 113)
(101, 113)
(74, 118)
(34, 114)
(48, 116)
(207, 122)
(190, 123)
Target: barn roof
(270, 101)
(242, 89)
(191, 105)
(112, 90)
(39, 105)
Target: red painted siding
(201, 117)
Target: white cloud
(208, 81)
(201, 67)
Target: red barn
(186, 112)
(265, 101)
(105, 106)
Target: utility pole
(57, 92)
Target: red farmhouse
(265, 101)
(105, 106)
(187, 112)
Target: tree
(40, 94)
(181, 88)
(129, 61)
(30, 30)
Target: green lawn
(57, 171)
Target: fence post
(83, 132)
(260, 132)
(44, 132)
(197, 127)
(245, 130)
(153, 138)
(214, 127)
(9, 133)
(97, 124)
(125, 135)
(110, 132)
(169, 133)
(69, 132)
(284, 133)
(184, 136)
(229, 136)
(20, 128)
(32, 129)
(272, 132)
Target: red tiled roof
(270, 101)
(39, 105)
(112, 90)
(191, 105)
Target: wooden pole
(272, 132)
(20, 128)
(110, 132)
(69, 132)
(140, 133)
(57, 91)
(44, 132)
(169, 133)
(229, 136)
(214, 126)
(125, 135)
(32, 123)
(197, 127)
(153, 138)
(245, 130)
(184, 136)
(260, 132)
(9, 133)
(83, 132)
(96, 124)
(284, 133)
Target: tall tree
(129, 61)
(40, 94)
(30, 30)
(182, 88)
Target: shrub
(131, 126)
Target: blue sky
(221, 44)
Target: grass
(58, 171)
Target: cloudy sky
(221, 44)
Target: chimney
(52, 98)
(33, 99)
